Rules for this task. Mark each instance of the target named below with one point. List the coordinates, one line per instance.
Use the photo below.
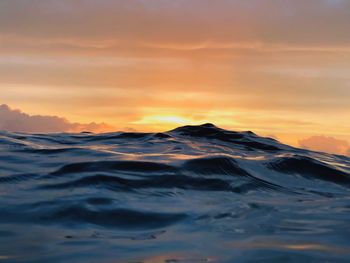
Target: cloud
(243, 49)
(194, 21)
(326, 144)
(17, 121)
(287, 58)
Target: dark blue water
(194, 194)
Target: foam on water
(193, 194)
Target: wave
(111, 166)
(210, 131)
(72, 215)
(135, 196)
(310, 168)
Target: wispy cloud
(288, 21)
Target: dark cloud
(17, 121)
(326, 144)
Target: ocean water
(193, 194)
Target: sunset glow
(162, 131)
(261, 66)
(169, 120)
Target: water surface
(194, 194)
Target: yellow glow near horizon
(163, 120)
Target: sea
(192, 194)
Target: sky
(278, 68)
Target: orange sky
(279, 68)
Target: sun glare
(176, 120)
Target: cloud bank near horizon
(327, 144)
(16, 121)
